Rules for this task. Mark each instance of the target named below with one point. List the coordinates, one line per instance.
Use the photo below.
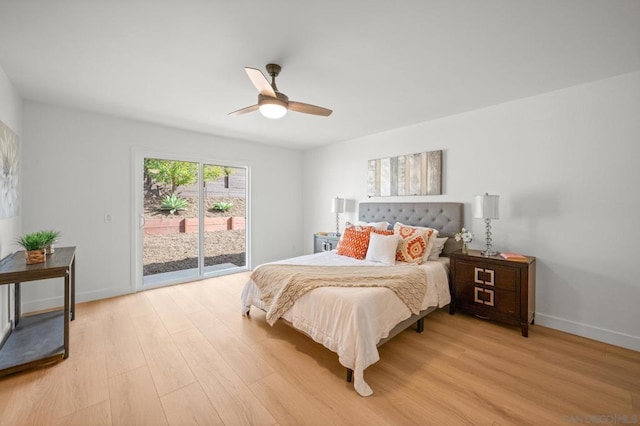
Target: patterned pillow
(383, 231)
(354, 243)
(431, 238)
(413, 243)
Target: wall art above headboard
(413, 174)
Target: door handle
(141, 221)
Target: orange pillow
(354, 243)
(413, 243)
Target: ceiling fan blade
(260, 81)
(244, 110)
(309, 109)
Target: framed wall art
(413, 174)
(9, 202)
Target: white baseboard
(589, 331)
(58, 301)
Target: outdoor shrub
(222, 206)
(173, 203)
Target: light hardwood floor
(184, 355)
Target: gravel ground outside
(174, 252)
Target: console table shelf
(43, 338)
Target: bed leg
(420, 325)
(349, 375)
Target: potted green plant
(49, 237)
(33, 245)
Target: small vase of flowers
(466, 237)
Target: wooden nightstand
(325, 242)
(493, 288)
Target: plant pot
(35, 256)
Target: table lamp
(337, 207)
(486, 207)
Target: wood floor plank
(168, 369)
(232, 399)
(246, 363)
(139, 305)
(570, 378)
(151, 332)
(95, 415)
(182, 295)
(122, 348)
(190, 406)
(195, 349)
(72, 391)
(168, 311)
(89, 311)
(32, 401)
(87, 337)
(134, 400)
(292, 405)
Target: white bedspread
(351, 321)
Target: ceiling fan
(271, 102)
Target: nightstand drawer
(324, 243)
(489, 300)
(498, 276)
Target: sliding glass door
(190, 220)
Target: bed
(354, 321)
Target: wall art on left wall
(9, 156)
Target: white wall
(77, 167)
(11, 115)
(566, 167)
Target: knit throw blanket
(281, 285)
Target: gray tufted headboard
(447, 218)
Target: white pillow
(383, 226)
(438, 246)
(382, 248)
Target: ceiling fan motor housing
(281, 99)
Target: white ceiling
(378, 64)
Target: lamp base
(488, 253)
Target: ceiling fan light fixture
(273, 110)
(273, 107)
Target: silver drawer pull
(491, 274)
(476, 275)
(490, 301)
(476, 295)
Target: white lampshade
(486, 207)
(337, 205)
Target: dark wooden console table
(43, 338)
